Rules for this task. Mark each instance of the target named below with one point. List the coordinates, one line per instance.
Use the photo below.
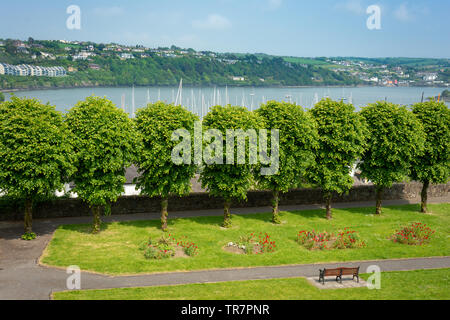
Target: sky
(305, 28)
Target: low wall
(202, 201)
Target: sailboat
(251, 105)
(227, 102)
(179, 99)
(123, 102)
(133, 106)
(343, 96)
(316, 98)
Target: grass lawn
(115, 250)
(411, 285)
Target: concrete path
(21, 278)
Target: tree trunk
(379, 200)
(28, 221)
(227, 214)
(424, 204)
(96, 211)
(328, 199)
(164, 213)
(275, 209)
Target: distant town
(107, 64)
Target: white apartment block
(29, 70)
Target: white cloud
(353, 6)
(109, 12)
(212, 22)
(274, 4)
(403, 13)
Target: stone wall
(202, 201)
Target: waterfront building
(29, 70)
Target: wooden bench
(338, 273)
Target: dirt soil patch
(237, 250)
(234, 249)
(179, 253)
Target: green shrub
(166, 247)
(252, 245)
(29, 236)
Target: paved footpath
(21, 278)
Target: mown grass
(411, 285)
(115, 250)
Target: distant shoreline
(209, 86)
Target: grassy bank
(115, 250)
(411, 285)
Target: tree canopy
(341, 143)
(221, 179)
(434, 165)
(395, 139)
(35, 153)
(159, 174)
(297, 142)
(104, 142)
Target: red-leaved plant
(251, 245)
(346, 239)
(265, 243)
(415, 235)
(165, 247)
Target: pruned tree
(297, 143)
(166, 166)
(434, 165)
(341, 143)
(226, 172)
(395, 139)
(35, 153)
(104, 142)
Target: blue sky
(415, 28)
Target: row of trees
(91, 145)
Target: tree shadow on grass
(412, 208)
(86, 228)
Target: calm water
(200, 100)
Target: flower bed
(168, 247)
(415, 235)
(346, 239)
(252, 244)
